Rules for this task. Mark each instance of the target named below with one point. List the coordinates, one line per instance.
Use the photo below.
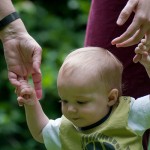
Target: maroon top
(101, 29)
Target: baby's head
(89, 73)
(92, 65)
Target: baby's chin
(79, 125)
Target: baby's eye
(81, 102)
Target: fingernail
(119, 22)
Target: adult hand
(22, 54)
(140, 25)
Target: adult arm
(22, 52)
(140, 25)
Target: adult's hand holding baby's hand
(26, 94)
(22, 54)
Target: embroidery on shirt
(100, 141)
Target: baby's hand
(26, 94)
(143, 53)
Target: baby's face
(83, 101)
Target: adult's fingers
(126, 12)
(131, 30)
(36, 76)
(37, 84)
(13, 79)
(135, 39)
(37, 54)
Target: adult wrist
(8, 19)
(13, 30)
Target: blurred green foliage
(59, 27)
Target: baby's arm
(143, 55)
(36, 119)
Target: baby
(94, 114)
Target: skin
(143, 55)
(84, 101)
(22, 52)
(36, 118)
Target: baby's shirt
(135, 118)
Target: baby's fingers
(141, 49)
(26, 92)
(146, 58)
(137, 58)
(20, 101)
(23, 101)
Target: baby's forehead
(78, 75)
(85, 54)
(89, 62)
(84, 60)
(78, 68)
(79, 80)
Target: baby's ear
(112, 97)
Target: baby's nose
(72, 108)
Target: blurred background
(59, 27)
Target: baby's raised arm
(36, 118)
(142, 52)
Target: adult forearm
(36, 120)
(6, 7)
